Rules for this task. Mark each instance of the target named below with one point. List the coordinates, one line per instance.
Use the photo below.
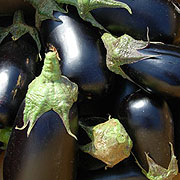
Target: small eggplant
(82, 52)
(42, 140)
(148, 121)
(159, 16)
(152, 66)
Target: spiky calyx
(49, 91)
(110, 142)
(20, 28)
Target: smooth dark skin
(159, 75)
(48, 153)
(148, 121)
(158, 15)
(81, 51)
(17, 70)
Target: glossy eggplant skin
(48, 153)
(149, 123)
(81, 51)
(125, 170)
(159, 16)
(17, 70)
(160, 74)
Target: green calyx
(110, 142)
(4, 136)
(157, 172)
(19, 28)
(85, 6)
(49, 91)
(123, 50)
(44, 10)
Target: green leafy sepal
(44, 10)
(123, 50)
(110, 142)
(85, 6)
(19, 28)
(49, 91)
(157, 172)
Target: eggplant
(43, 137)
(17, 70)
(148, 121)
(82, 53)
(48, 153)
(125, 170)
(152, 66)
(159, 16)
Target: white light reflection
(4, 81)
(73, 46)
(139, 104)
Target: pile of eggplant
(90, 90)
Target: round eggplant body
(81, 51)
(17, 70)
(159, 74)
(159, 16)
(48, 153)
(148, 121)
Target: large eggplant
(149, 123)
(152, 66)
(81, 50)
(42, 144)
(159, 16)
(17, 70)
(48, 153)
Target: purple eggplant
(151, 65)
(149, 123)
(42, 143)
(17, 70)
(160, 16)
(82, 52)
(48, 153)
